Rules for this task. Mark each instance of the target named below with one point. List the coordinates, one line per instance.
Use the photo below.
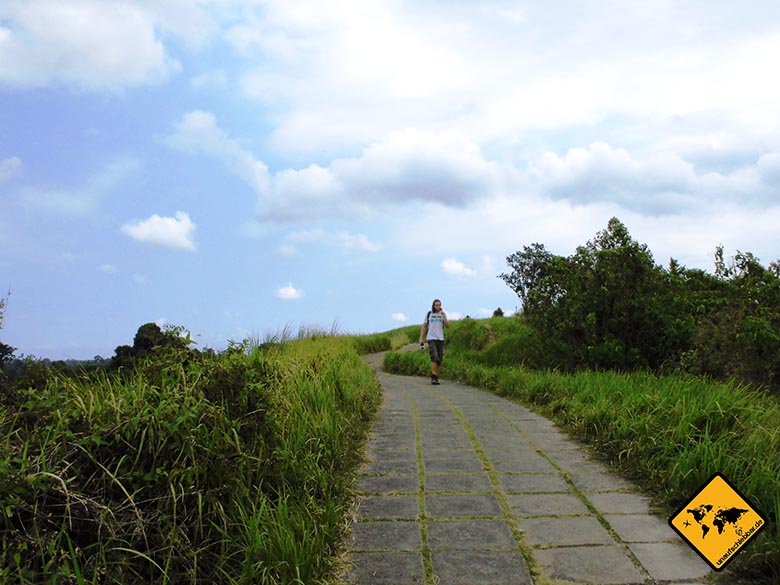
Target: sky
(238, 167)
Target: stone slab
(521, 464)
(584, 530)
(533, 482)
(386, 568)
(641, 528)
(546, 504)
(605, 565)
(479, 568)
(470, 534)
(599, 482)
(388, 484)
(388, 507)
(620, 503)
(381, 467)
(458, 483)
(458, 506)
(670, 561)
(432, 443)
(464, 464)
(582, 466)
(392, 442)
(378, 536)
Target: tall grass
(390, 340)
(670, 433)
(231, 468)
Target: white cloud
(500, 72)
(108, 268)
(289, 293)
(410, 165)
(602, 173)
(340, 239)
(457, 268)
(10, 167)
(170, 232)
(659, 183)
(87, 44)
(400, 317)
(199, 133)
(448, 169)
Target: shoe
(435, 380)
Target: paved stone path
(464, 487)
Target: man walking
(433, 331)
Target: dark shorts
(436, 349)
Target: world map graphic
(722, 517)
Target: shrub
(230, 468)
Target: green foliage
(738, 333)
(189, 468)
(470, 334)
(367, 344)
(609, 306)
(378, 342)
(409, 363)
(150, 339)
(606, 306)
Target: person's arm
(444, 317)
(423, 332)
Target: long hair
(433, 304)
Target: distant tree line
(609, 305)
(18, 374)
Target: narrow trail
(464, 487)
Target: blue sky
(238, 166)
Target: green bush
(609, 306)
(228, 468)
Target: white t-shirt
(435, 325)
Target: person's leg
(433, 351)
(437, 350)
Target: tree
(498, 312)
(151, 339)
(607, 305)
(738, 329)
